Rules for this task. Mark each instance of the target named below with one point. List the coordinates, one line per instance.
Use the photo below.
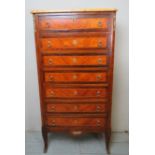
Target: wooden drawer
(80, 42)
(76, 77)
(98, 60)
(49, 22)
(51, 92)
(75, 121)
(70, 107)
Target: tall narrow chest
(75, 57)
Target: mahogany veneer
(75, 121)
(75, 60)
(73, 42)
(75, 56)
(47, 23)
(76, 107)
(76, 77)
(75, 92)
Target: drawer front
(75, 92)
(76, 77)
(80, 42)
(48, 22)
(65, 108)
(98, 60)
(70, 122)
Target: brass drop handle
(74, 77)
(99, 60)
(100, 24)
(74, 42)
(50, 61)
(49, 44)
(99, 44)
(98, 77)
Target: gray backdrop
(120, 108)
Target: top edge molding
(73, 10)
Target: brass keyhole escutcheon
(74, 19)
(51, 93)
(100, 44)
(75, 92)
(47, 24)
(74, 77)
(51, 78)
(98, 77)
(75, 121)
(98, 108)
(75, 42)
(100, 24)
(99, 60)
(49, 44)
(76, 107)
(50, 61)
(98, 93)
(53, 108)
(53, 122)
(98, 122)
(74, 60)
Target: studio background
(120, 107)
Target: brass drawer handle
(98, 77)
(74, 42)
(49, 44)
(74, 77)
(99, 44)
(99, 60)
(50, 61)
(100, 24)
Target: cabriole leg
(108, 138)
(45, 138)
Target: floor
(61, 144)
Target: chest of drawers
(75, 55)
